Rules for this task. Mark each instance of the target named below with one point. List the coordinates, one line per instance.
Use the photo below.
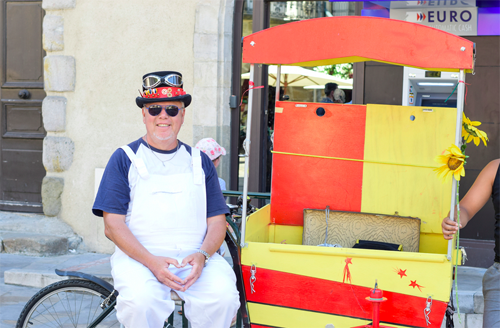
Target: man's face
(163, 128)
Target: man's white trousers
(144, 302)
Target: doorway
(21, 95)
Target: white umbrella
(296, 76)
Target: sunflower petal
(456, 151)
(443, 159)
(440, 171)
(447, 176)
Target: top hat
(162, 86)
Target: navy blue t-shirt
(114, 191)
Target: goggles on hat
(171, 110)
(151, 81)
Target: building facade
(71, 69)
(91, 58)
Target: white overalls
(168, 217)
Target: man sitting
(164, 210)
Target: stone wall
(212, 81)
(59, 78)
(97, 52)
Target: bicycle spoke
(79, 310)
(50, 312)
(69, 306)
(41, 322)
(42, 314)
(95, 313)
(75, 311)
(65, 304)
(88, 318)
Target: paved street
(12, 298)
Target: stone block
(59, 73)
(53, 33)
(58, 4)
(204, 131)
(207, 19)
(466, 301)
(74, 242)
(478, 302)
(474, 320)
(197, 133)
(35, 244)
(205, 111)
(33, 278)
(205, 46)
(57, 153)
(224, 116)
(52, 189)
(39, 278)
(226, 48)
(54, 113)
(206, 74)
(228, 16)
(226, 67)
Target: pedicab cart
(353, 176)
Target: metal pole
(246, 146)
(458, 142)
(278, 77)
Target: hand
(449, 228)
(159, 267)
(197, 261)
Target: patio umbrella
(296, 76)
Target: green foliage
(343, 71)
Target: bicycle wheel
(68, 303)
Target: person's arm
(216, 231)
(117, 230)
(473, 201)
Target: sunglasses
(171, 110)
(151, 81)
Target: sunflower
(453, 161)
(470, 132)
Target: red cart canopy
(348, 39)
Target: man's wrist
(205, 254)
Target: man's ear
(144, 115)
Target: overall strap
(137, 162)
(197, 168)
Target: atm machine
(429, 88)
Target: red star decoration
(348, 260)
(402, 273)
(414, 284)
